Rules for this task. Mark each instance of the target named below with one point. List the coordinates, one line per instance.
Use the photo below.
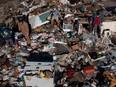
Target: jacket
(93, 18)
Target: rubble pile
(57, 44)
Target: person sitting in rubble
(24, 28)
(55, 15)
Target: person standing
(96, 21)
(24, 28)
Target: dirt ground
(108, 3)
(5, 6)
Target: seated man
(55, 14)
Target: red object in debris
(89, 69)
(97, 21)
(70, 72)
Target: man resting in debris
(55, 15)
(24, 28)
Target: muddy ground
(108, 3)
(5, 6)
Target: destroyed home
(58, 43)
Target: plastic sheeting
(109, 25)
(35, 82)
(35, 22)
(39, 20)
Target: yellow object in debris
(46, 78)
(99, 52)
(42, 74)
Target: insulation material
(34, 81)
(109, 25)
